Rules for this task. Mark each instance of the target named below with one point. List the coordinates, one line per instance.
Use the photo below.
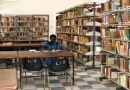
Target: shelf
(91, 63)
(116, 67)
(83, 15)
(86, 4)
(27, 23)
(92, 24)
(20, 40)
(115, 81)
(115, 25)
(92, 14)
(79, 61)
(109, 51)
(91, 53)
(91, 33)
(116, 54)
(116, 39)
(91, 43)
(117, 11)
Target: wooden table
(8, 79)
(8, 54)
(28, 54)
(22, 45)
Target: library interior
(64, 45)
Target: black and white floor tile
(84, 80)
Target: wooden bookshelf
(24, 29)
(115, 32)
(75, 28)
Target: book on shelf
(118, 18)
(115, 33)
(116, 75)
(115, 5)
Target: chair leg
(41, 73)
(48, 79)
(66, 76)
(44, 78)
(25, 76)
(61, 74)
(71, 79)
(38, 72)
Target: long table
(8, 54)
(28, 54)
(22, 45)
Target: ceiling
(5, 1)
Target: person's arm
(44, 47)
(59, 46)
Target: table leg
(73, 70)
(20, 73)
(16, 63)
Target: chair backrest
(59, 65)
(34, 64)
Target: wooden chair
(8, 79)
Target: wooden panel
(8, 79)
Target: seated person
(50, 45)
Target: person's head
(53, 38)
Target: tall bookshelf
(22, 32)
(115, 32)
(75, 29)
(24, 29)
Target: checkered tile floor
(84, 80)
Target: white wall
(39, 7)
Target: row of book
(116, 33)
(72, 30)
(29, 18)
(117, 62)
(116, 47)
(115, 5)
(21, 29)
(109, 6)
(78, 12)
(7, 29)
(80, 39)
(76, 47)
(118, 18)
(38, 24)
(23, 34)
(80, 57)
(39, 19)
(37, 34)
(64, 36)
(37, 29)
(74, 38)
(8, 24)
(13, 19)
(120, 77)
(108, 45)
(77, 21)
(6, 19)
(22, 24)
